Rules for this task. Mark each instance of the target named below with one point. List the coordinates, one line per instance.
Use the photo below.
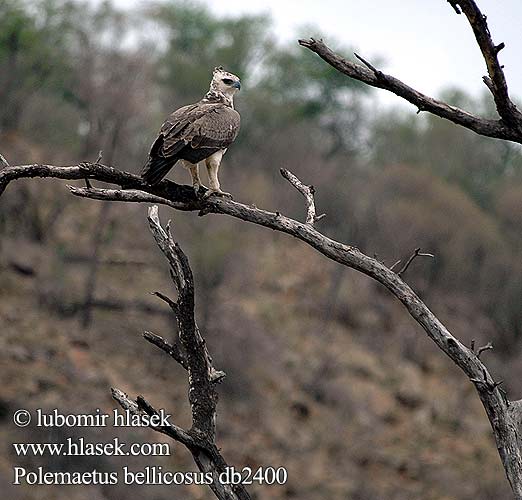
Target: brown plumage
(197, 132)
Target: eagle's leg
(213, 163)
(194, 172)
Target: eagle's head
(224, 82)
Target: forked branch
(193, 357)
(503, 414)
(496, 79)
(308, 193)
(497, 407)
(508, 127)
(413, 256)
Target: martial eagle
(197, 132)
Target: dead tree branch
(504, 421)
(308, 192)
(497, 407)
(3, 162)
(200, 438)
(172, 350)
(496, 80)
(202, 394)
(132, 195)
(486, 347)
(508, 127)
(416, 253)
(183, 196)
(172, 304)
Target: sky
(422, 42)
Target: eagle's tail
(156, 168)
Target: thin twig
(308, 192)
(376, 72)
(173, 431)
(171, 349)
(416, 253)
(3, 162)
(393, 265)
(172, 304)
(486, 347)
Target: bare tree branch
(205, 453)
(496, 81)
(308, 192)
(131, 195)
(3, 162)
(371, 76)
(172, 350)
(504, 421)
(172, 304)
(183, 198)
(175, 432)
(183, 195)
(175, 352)
(416, 253)
(508, 127)
(202, 394)
(505, 416)
(486, 347)
(200, 439)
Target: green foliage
(33, 53)
(415, 208)
(303, 83)
(197, 41)
(283, 85)
(475, 163)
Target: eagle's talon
(199, 189)
(217, 192)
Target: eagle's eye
(227, 81)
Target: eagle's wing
(208, 126)
(194, 131)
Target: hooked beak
(237, 85)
